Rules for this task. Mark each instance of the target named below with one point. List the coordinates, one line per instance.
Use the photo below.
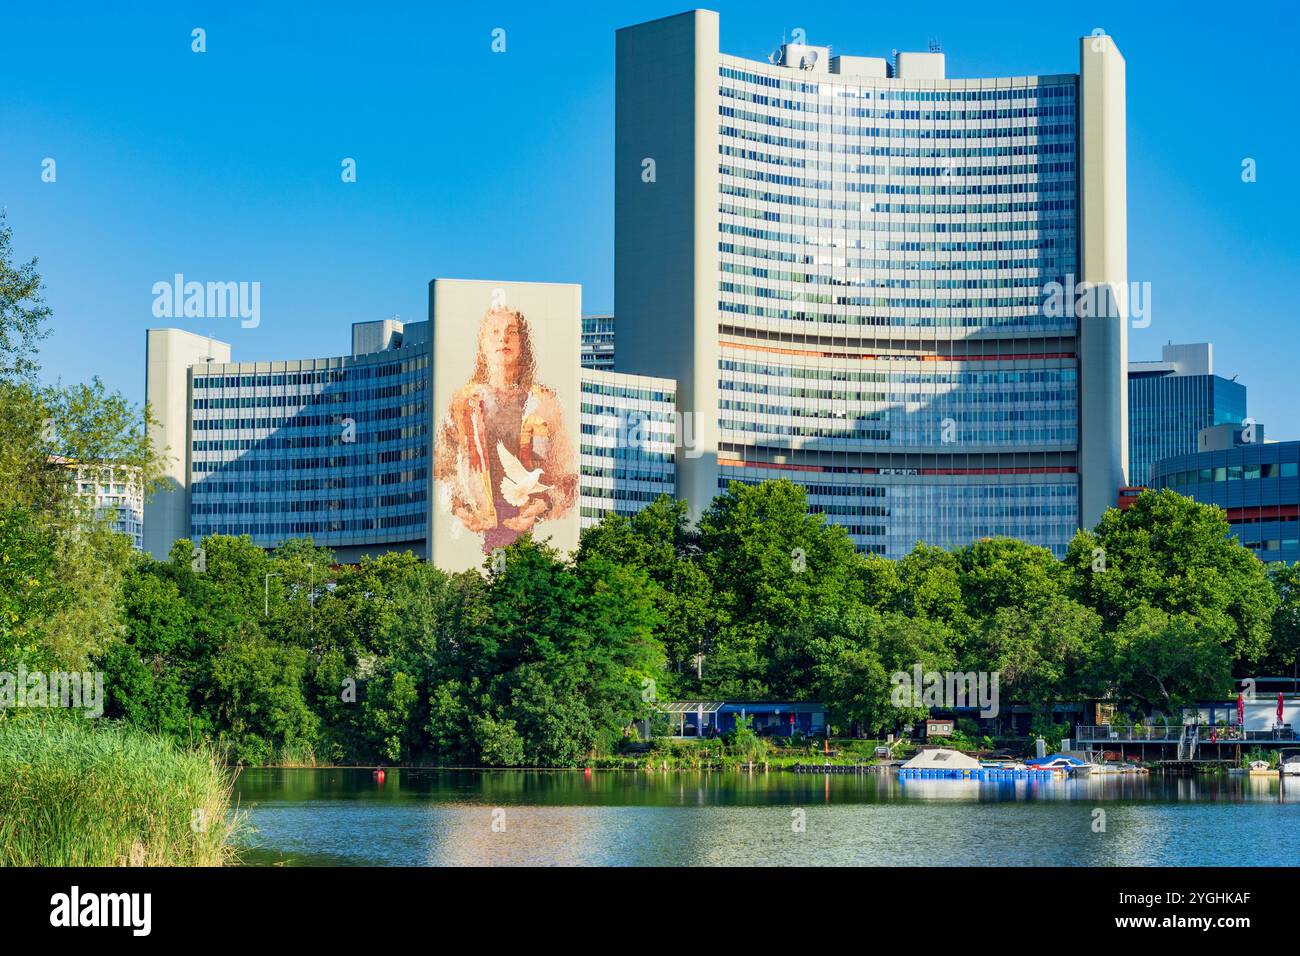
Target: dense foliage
(546, 661)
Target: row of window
(841, 265)
(1034, 282)
(846, 132)
(357, 460)
(843, 86)
(307, 505)
(811, 158)
(1042, 170)
(358, 397)
(279, 530)
(629, 392)
(1031, 109)
(964, 378)
(886, 302)
(1028, 322)
(628, 452)
(331, 376)
(1063, 227)
(1285, 469)
(267, 486)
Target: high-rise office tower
(1170, 401)
(848, 265)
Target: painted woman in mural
(503, 457)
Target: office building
(598, 342)
(113, 491)
(865, 277)
(1171, 400)
(1256, 482)
(905, 292)
(384, 449)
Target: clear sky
(225, 165)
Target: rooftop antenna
(935, 45)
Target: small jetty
(939, 763)
(858, 768)
(942, 763)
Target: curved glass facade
(883, 253)
(335, 448)
(1257, 483)
(859, 261)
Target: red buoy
(378, 775)
(587, 772)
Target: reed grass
(78, 792)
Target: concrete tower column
(1103, 244)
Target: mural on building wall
(503, 455)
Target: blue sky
(225, 165)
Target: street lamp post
(266, 595)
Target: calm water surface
(446, 818)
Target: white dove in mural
(518, 482)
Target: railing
(1188, 737)
(1138, 733)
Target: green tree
(562, 655)
(1172, 554)
(771, 564)
(23, 312)
(152, 673)
(857, 655)
(1284, 647)
(1040, 651)
(30, 587)
(660, 541)
(256, 696)
(1169, 661)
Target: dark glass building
(1170, 401)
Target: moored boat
(1060, 763)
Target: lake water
(461, 817)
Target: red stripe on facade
(1057, 470)
(1263, 513)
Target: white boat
(1291, 768)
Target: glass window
(1207, 474)
(1289, 469)
(1221, 474)
(1234, 472)
(1268, 470)
(1251, 471)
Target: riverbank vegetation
(76, 792)
(543, 660)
